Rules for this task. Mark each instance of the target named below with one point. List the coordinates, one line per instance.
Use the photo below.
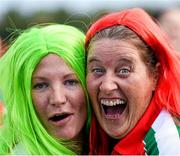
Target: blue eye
(98, 71)
(71, 82)
(124, 72)
(41, 85)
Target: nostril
(57, 104)
(108, 87)
(57, 100)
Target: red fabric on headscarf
(142, 24)
(167, 94)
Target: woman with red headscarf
(133, 81)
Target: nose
(108, 84)
(57, 97)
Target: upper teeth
(112, 102)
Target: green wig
(22, 124)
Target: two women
(132, 78)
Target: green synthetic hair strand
(16, 68)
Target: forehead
(113, 48)
(52, 63)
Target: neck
(177, 121)
(79, 143)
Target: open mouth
(59, 117)
(113, 108)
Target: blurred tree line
(13, 20)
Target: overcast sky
(81, 6)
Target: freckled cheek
(80, 107)
(92, 86)
(137, 102)
(35, 101)
(41, 110)
(83, 109)
(39, 102)
(134, 93)
(93, 89)
(77, 96)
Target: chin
(67, 136)
(116, 133)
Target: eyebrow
(45, 78)
(71, 75)
(126, 60)
(38, 78)
(93, 59)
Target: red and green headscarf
(167, 94)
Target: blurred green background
(20, 14)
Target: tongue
(115, 110)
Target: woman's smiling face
(119, 84)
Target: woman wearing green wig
(43, 84)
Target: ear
(156, 74)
